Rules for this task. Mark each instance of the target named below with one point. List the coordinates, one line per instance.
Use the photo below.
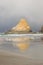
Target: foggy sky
(11, 11)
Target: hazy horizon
(11, 11)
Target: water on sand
(30, 49)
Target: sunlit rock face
(21, 27)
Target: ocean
(32, 49)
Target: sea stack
(21, 27)
(41, 29)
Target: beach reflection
(22, 46)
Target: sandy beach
(7, 58)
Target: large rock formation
(21, 27)
(41, 29)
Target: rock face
(41, 29)
(21, 27)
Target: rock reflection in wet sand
(22, 46)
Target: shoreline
(6, 58)
(9, 53)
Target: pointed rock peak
(22, 26)
(23, 22)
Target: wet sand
(7, 58)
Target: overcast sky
(11, 11)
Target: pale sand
(7, 58)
